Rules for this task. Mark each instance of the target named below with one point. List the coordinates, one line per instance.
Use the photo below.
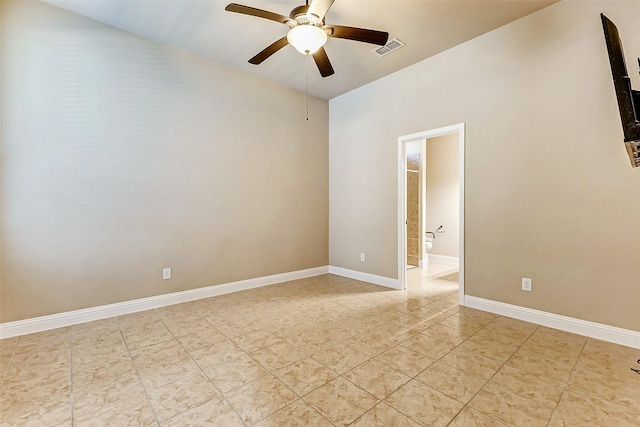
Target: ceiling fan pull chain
(307, 68)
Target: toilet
(428, 244)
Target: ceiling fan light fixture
(307, 39)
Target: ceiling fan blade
(357, 34)
(323, 63)
(246, 10)
(268, 51)
(319, 8)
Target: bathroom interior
(433, 209)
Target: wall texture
(121, 157)
(443, 193)
(550, 193)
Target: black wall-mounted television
(628, 99)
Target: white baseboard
(45, 323)
(569, 324)
(444, 258)
(365, 277)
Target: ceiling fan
(308, 33)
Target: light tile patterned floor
(324, 351)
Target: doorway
(404, 147)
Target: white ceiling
(204, 28)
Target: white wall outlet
(362, 257)
(166, 273)
(526, 284)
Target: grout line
(144, 388)
(575, 367)
(571, 376)
(71, 378)
(6, 370)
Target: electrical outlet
(526, 284)
(362, 257)
(166, 273)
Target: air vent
(391, 45)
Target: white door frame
(402, 197)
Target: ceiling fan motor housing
(301, 17)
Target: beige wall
(550, 193)
(443, 193)
(121, 157)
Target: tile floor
(324, 351)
